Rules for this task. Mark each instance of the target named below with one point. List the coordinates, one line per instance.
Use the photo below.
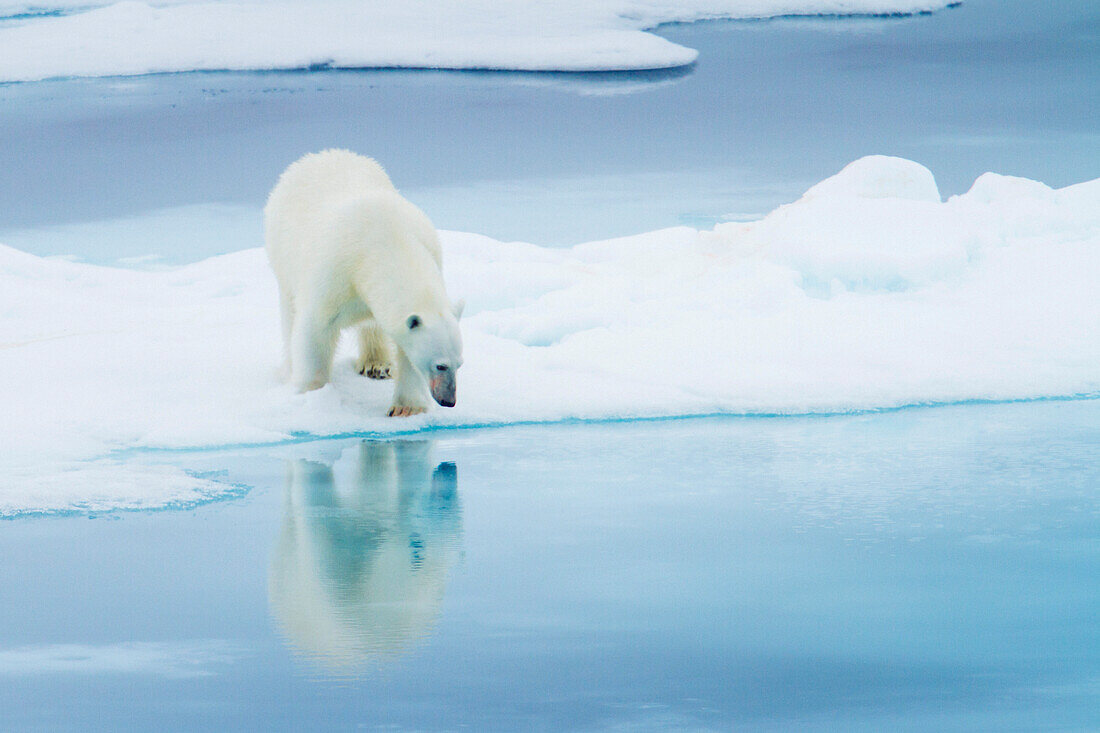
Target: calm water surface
(917, 570)
(770, 109)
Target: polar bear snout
(442, 387)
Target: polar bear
(348, 249)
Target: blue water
(770, 109)
(928, 569)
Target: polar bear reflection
(363, 556)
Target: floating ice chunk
(566, 35)
(104, 486)
(839, 301)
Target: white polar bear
(348, 249)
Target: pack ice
(867, 293)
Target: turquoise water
(927, 569)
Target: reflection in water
(362, 560)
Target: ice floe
(869, 292)
(67, 38)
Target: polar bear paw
(375, 371)
(406, 410)
(308, 384)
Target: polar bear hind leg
(312, 345)
(374, 352)
(286, 311)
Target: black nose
(447, 403)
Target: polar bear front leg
(410, 390)
(312, 344)
(374, 352)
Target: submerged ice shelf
(867, 293)
(66, 39)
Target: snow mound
(877, 224)
(880, 177)
(65, 38)
(867, 293)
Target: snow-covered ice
(66, 38)
(868, 292)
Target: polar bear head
(433, 343)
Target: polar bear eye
(413, 322)
(441, 367)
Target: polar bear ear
(413, 322)
(457, 307)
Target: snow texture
(68, 38)
(867, 293)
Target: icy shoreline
(867, 293)
(69, 39)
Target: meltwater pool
(924, 569)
